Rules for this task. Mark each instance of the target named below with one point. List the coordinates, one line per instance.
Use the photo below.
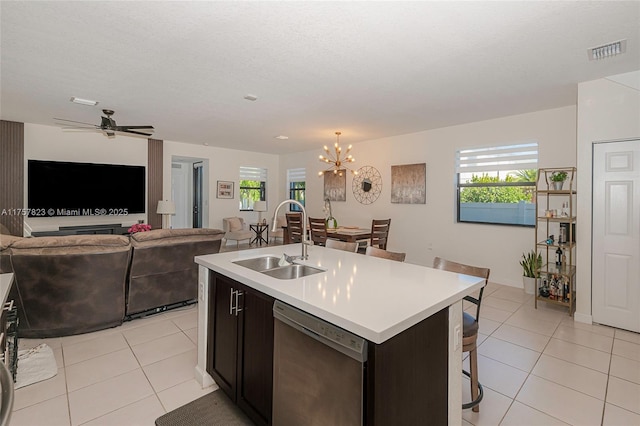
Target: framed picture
(225, 189)
(335, 186)
(409, 184)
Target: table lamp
(166, 208)
(260, 206)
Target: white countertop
(368, 296)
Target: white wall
(607, 110)
(224, 164)
(426, 231)
(52, 143)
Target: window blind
(296, 175)
(517, 156)
(253, 173)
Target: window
(296, 185)
(253, 186)
(496, 184)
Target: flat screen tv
(58, 188)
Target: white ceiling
(368, 69)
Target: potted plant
(558, 178)
(531, 262)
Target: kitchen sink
(268, 265)
(291, 272)
(259, 263)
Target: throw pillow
(234, 224)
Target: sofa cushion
(71, 244)
(158, 237)
(234, 224)
(7, 240)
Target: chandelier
(338, 161)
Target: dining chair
(295, 228)
(318, 229)
(469, 326)
(385, 254)
(380, 233)
(341, 245)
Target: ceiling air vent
(607, 50)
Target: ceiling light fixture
(607, 50)
(83, 101)
(337, 161)
(251, 97)
(282, 137)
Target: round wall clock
(367, 185)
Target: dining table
(349, 233)
(343, 233)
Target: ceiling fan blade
(71, 121)
(77, 128)
(137, 133)
(135, 127)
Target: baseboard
(203, 378)
(584, 318)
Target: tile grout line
(529, 374)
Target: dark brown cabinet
(240, 345)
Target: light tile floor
(538, 367)
(128, 375)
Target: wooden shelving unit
(556, 216)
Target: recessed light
(281, 137)
(206, 144)
(251, 97)
(83, 101)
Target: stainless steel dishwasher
(318, 371)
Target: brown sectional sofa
(163, 258)
(81, 283)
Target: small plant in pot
(558, 178)
(531, 262)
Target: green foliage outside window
(493, 193)
(296, 192)
(250, 192)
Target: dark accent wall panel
(154, 182)
(12, 176)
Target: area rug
(34, 365)
(214, 408)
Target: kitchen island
(390, 304)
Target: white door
(180, 194)
(616, 234)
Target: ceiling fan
(108, 126)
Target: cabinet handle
(238, 308)
(231, 302)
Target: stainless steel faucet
(304, 240)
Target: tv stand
(115, 228)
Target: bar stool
(469, 326)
